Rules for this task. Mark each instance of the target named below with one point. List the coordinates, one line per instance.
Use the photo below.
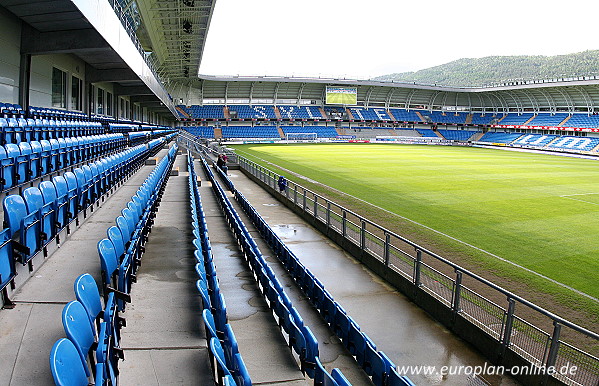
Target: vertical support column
(509, 323)
(417, 268)
(386, 250)
(24, 80)
(457, 292)
(328, 214)
(344, 224)
(363, 235)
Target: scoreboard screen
(341, 95)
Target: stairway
(564, 121)
(218, 133)
(183, 112)
(391, 115)
(277, 112)
(322, 112)
(533, 117)
(501, 119)
(477, 136)
(349, 114)
(281, 132)
(420, 116)
(468, 119)
(226, 112)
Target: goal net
(301, 137)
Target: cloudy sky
(361, 39)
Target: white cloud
(357, 39)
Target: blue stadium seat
(66, 366)
(322, 376)
(79, 331)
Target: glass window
(109, 104)
(59, 88)
(76, 94)
(100, 101)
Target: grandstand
(112, 245)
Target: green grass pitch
(539, 211)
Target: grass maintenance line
(431, 229)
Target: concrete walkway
(28, 331)
(164, 341)
(399, 328)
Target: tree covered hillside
(498, 69)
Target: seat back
(87, 293)
(15, 210)
(65, 364)
(7, 263)
(108, 260)
(115, 235)
(78, 329)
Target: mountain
(499, 69)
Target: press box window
(59, 88)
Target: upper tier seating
(583, 120)
(252, 112)
(480, 119)
(15, 130)
(495, 137)
(200, 131)
(545, 119)
(447, 117)
(575, 143)
(250, 132)
(321, 131)
(30, 160)
(457, 135)
(426, 132)
(370, 114)
(403, 115)
(515, 119)
(534, 140)
(205, 112)
(300, 112)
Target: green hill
(499, 69)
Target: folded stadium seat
(59, 207)
(51, 131)
(84, 190)
(202, 288)
(24, 163)
(7, 265)
(322, 377)
(44, 216)
(64, 153)
(79, 331)
(66, 202)
(7, 170)
(373, 364)
(56, 157)
(219, 366)
(66, 366)
(113, 275)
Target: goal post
(301, 137)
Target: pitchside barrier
(510, 330)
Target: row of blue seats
(11, 109)
(29, 160)
(321, 131)
(457, 135)
(14, 130)
(252, 112)
(250, 132)
(200, 131)
(375, 363)
(120, 253)
(299, 112)
(300, 337)
(46, 112)
(499, 137)
(226, 361)
(41, 213)
(93, 331)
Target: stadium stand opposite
(457, 135)
(299, 112)
(495, 137)
(321, 131)
(250, 132)
(252, 112)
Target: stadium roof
(568, 95)
(175, 32)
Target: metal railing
(535, 334)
